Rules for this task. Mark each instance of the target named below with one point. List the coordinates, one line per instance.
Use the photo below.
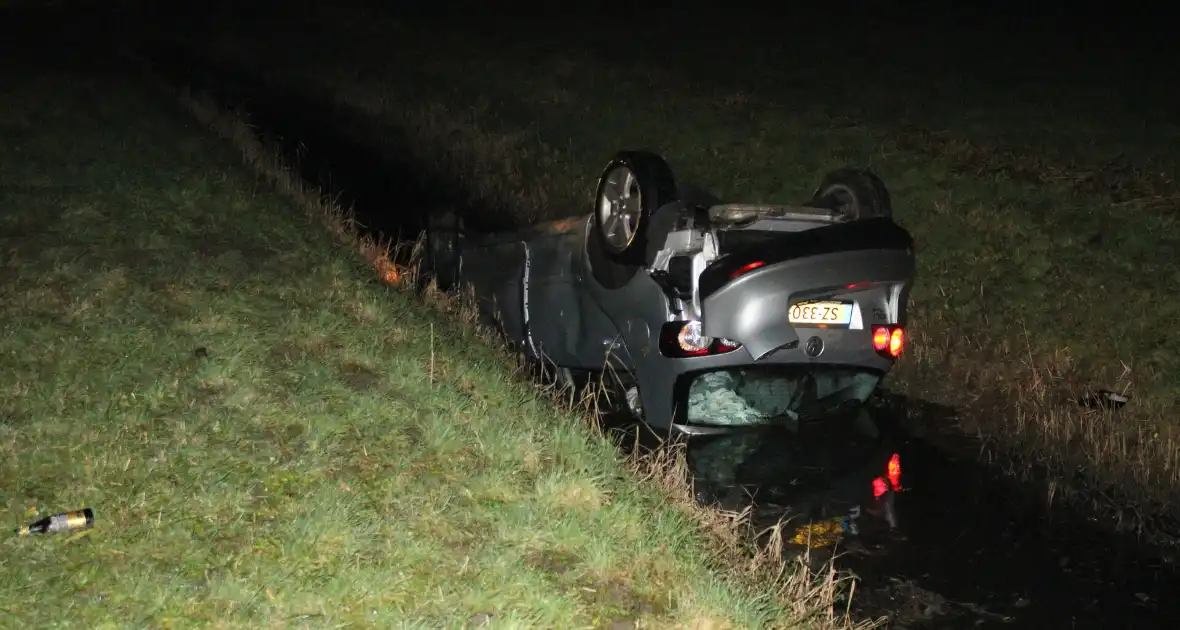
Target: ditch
(973, 548)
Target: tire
(630, 189)
(857, 194)
(613, 265)
(442, 248)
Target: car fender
(563, 323)
(637, 310)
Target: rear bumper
(753, 308)
(840, 238)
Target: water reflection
(814, 469)
(962, 545)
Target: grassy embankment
(269, 436)
(1046, 222)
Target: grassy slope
(342, 455)
(1045, 245)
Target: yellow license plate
(821, 314)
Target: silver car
(707, 315)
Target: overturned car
(709, 316)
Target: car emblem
(814, 347)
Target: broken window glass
(762, 396)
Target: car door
(495, 272)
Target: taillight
(893, 471)
(888, 341)
(685, 339)
(747, 268)
(892, 474)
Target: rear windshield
(774, 395)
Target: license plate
(821, 314)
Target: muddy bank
(973, 547)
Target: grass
(1045, 218)
(270, 436)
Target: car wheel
(442, 247)
(855, 193)
(632, 187)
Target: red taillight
(895, 342)
(681, 339)
(892, 478)
(888, 340)
(747, 268)
(893, 471)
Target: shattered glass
(748, 397)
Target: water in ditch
(971, 548)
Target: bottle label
(69, 521)
(59, 523)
